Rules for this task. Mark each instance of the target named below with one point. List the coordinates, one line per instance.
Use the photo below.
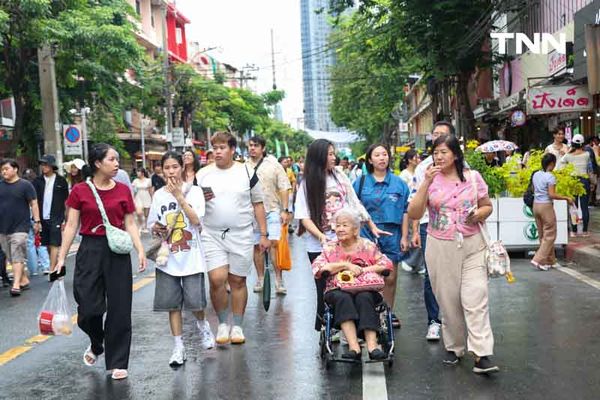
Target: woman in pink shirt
(457, 200)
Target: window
(178, 35)
(152, 20)
(138, 7)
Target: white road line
(579, 276)
(373, 378)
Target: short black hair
(171, 154)
(346, 159)
(280, 159)
(445, 123)
(258, 140)
(548, 159)
(12, 162)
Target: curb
(585, 256)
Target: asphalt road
(546, 329)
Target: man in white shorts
(233, 200)
(275, 186)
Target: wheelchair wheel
(322, 345)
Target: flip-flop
(89, 354)
(25, 287)
(15, 292)
(118, 374)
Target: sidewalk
(585, 252)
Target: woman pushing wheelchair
(354, 267)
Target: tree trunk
(466, 121)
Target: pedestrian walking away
(233, 199)
(52, 191)
(544, 189)
(141, 187)
(324, 190)
(458, 202)
(176, 213)
(385, 197)
(102, 281)
(18, 201)
(275, 186)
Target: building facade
(317, 59)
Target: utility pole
(276, 107)
(169, 110)
(52, 130)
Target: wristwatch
(286, 210)
(37, 222)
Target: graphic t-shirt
(14, 206)
(186, 256)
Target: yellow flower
(472, 144)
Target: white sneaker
(207, 339)
(178, 357)
(433, 332)
(258, 287)
(280, 287)
(223, 334)
(237, 335)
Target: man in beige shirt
(275, 186)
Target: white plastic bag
(55, 317)
(576, 214)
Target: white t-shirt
(232, 205)
(335, 199)
(186, 256)
(48, 194)
(420, 175)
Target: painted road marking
(579, 276)
(15, 352)
(373, 378)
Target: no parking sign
(72, 140)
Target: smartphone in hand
(55, 275)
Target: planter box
(516, 224)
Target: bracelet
(37, 222)
(264, 234)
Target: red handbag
(365, 282)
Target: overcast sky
(241, 30)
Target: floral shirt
(449, 203)
(367, 254)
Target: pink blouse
(449, 203)
(367, 254)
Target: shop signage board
(72, 140)
(558, 99)
(177, 137)
(557, 62)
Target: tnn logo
(539, 45)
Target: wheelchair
(385, 337)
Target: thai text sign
(558, 99)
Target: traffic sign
(178, 137)
(72, 140)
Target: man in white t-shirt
(420, 238)
(233, 200)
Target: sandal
(89, 354)
(118, 374)
(15, 292)
(25, 287)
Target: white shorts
(273, 227)
(233, 247)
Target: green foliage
(273, 97)
(492, 176)
(296, 140)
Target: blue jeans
(584, 204)
(32, 257)
(433, 310)
(43, 258)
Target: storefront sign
(558, 99)
(510, 102)
(557, 62)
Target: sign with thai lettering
(558, 99)
(557, 62)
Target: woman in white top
(558, 147)
(414, 260)
(582, 163)
(544, 190)
(143, 200)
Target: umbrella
(267, 284)
(497, 145)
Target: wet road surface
(545, 328)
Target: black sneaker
(351, 355)
(451, 358)
(377, 354)
(485, 366)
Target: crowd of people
(220, 220)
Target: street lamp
(83, 113)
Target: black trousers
(320, 285)
(102, 284)
(3, 273)
(359, 307)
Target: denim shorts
(273, 227)
(172, 293)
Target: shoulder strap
(98, 202)
(254, 178)
(361, 184)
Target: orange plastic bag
(284, 259)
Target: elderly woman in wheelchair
(353, 267)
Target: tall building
(317, 58)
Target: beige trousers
(545, 219)
(460, 284)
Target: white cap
(578, 139)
